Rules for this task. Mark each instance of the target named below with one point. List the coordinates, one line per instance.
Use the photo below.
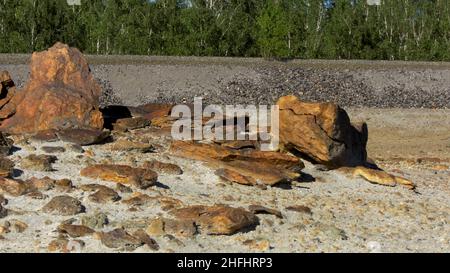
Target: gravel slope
(132, 81)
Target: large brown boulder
(321, 133)
(61, 93)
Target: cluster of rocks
(61, 103)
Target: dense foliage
(339, 29)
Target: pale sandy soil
(348, 215)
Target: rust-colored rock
(245, 166)
(236, 177)
(75, 231)
(143, 237)
(64, 185)
(14, 187)
(102, 194)
(239, 144)
(125, 124)
(60, 245)
(42, 184)
(119, 238)
(152, 110)
(382, 177)
(161, 167)
(82, 136)
(139, 199)
(61, 93)
(217, 220)
(123, 174)
(322, 133)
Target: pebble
(63, 205)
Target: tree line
(331, 29)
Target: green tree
(272, 31)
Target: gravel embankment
(132, 81)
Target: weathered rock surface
(6, 167)
(37, 195)
(125, 124)
(63, 205)
(147, 240)
(7, 92)
(42, 184)
(61, 93)
(75, 231)
(243, 166)
(382, 177)
(40, 163)
(180, 228)
(102, 193)
(53, 150)
(217, 220)
(119, 238)
(82, 137)
(95, 221)
(161, 167)
(321, 132)
(139, 199)
(45, 136)
(123, 174)
(64, 185)
(236, 177)
(5, 145)
(59, 244)
(152, 110)
(64, 245)
(18, 226)
(14, 187)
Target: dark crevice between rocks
(113, 113)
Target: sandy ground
(348, 215)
